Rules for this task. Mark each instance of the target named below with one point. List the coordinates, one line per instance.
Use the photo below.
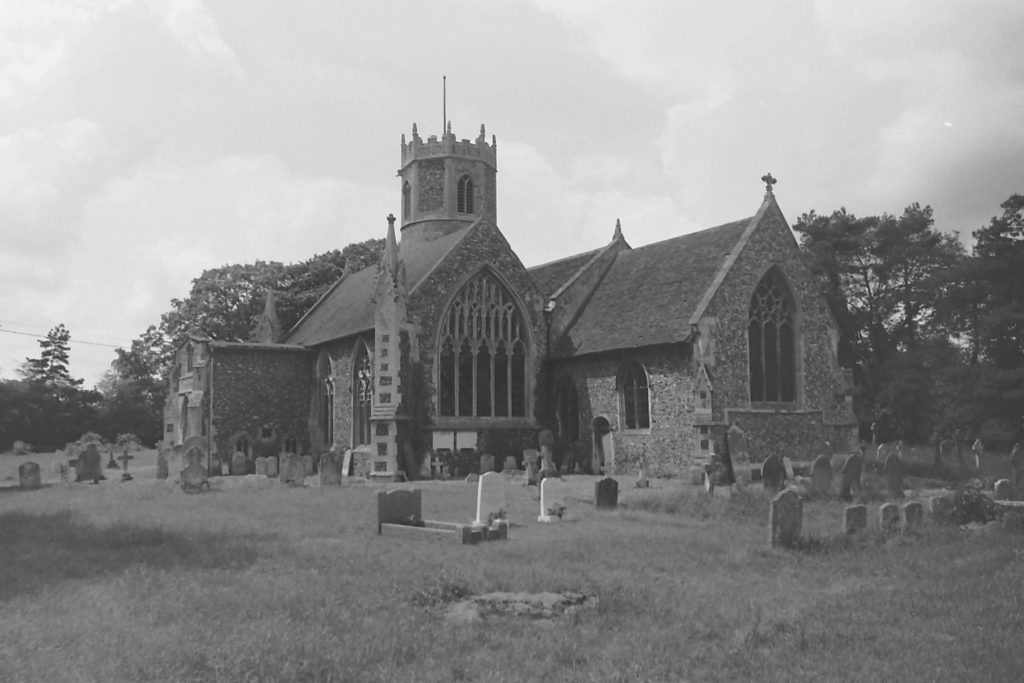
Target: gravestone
(641, 476)
(1003, 490)
(821, 475)
(532, 475)
(941, 508)
(426, 468)
(346, 463)
(398, 506)
(978, 449)
(739, 453)
(472, 478)
(509, 464)
(554, 496)
(913, 515)
(545, 438)
(272, 466)
(889, 517)
(893, 471)
(947, 451)
(486, 463)
(855, 518)
(709, 483)
(787, 465)
(28, 476)
(1017, 462)
(261, 466)
(491, 499)
(531, 455)
(293, 472)
(851, 473)
(330, 468)
(239, 463)
(785, 519)
(547, 462)
(194, 477)
(606, 493)
(773, 474)
(307, 465)
(162, 470)
(89, 465)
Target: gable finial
(617, 235)
(769, 183)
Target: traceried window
(464, 198)
(482, 353)
(567, 408)
(772, 341)
(406, 199)
(362, 396)
(633, 396)
(325, 377)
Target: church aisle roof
(347, 307)
(650, 293)
(552, 275)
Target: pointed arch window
(482, 353)
(634, 398)
(325, 380)
(464, 198)
(406, 199)
(362, 396)
(772, 341)
(567, 408)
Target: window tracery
(772, 341)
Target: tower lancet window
(464, 199)
(406, 200)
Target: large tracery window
(636, 411)
(772, 341)
(482, 353)
(464, 198)
(362, 396)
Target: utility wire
(72, 341)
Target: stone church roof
(651, 293)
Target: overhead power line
(72, 341)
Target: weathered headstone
(194, 477)
(532, 474)
(947, 451)
(787, 465)
(889, 517)
(472, 478)
(531, 455)
(292, 472)
(786, 518)
(554, 496)
(89, 465)
(641, 476)
(307, 465)
(1003, 490)
(261, 466)
(855, 518)
(346, 463)
(606, 493)
(486, 463)
(491, 499)
(893, 470)
(547, 462)
(510, 464)
(978, 450)
(773, 474)
(739, 453)
(1017, 462)
(330, 468)
(709, 482)
(851, 473)
(941, 508)
(239, 463)
(162, 469)
(398, 506)
(913, 515)
(545, 438)
(821, 475)
(28, 476)
(272, 466)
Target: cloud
(195, 30)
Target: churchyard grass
(255, 582)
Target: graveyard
(253, 578)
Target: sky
(142, 142)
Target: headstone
(855, 518)
(239, 463)
(261, 466)
(346, 463)
(947, 451)
(641, 476)
(486, 463)
(889, 517)
(531, 455)
(272, 466)
(821, 475)
(941, 508)
(1003, 490)
(554, 496)
(472, 478)
(398, 506)
(913, 515)
(978, 449)
(426, 468)
(773, 474)
(893, 471)
(709, 483)
(546, 460)
(785, 519)
(28, 476)
(1017, 462)
(330, 468)
(307, 465)
(162, 470)
(491, 499)
(787, 465)
(509, 464)
(532, 474)
(881, 453)
(292, 472)
(546, 438)
(739, 453)
(851, 473)
(194, 477)
(606, 493)
(89, 465)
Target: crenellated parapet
(418, 149)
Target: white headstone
(787, 464)
(491, 499)
(554, 496)
(346, 463)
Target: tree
(51, 367)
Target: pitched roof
(649, 294)
(552, 275)
(347, 307)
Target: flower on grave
(556, 510)
(495, 517)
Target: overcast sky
(143, 141)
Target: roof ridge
(563, 259)
(575, 276)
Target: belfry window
(482, 357)
(362, 396)
(772, 341)
(567, 408)
(634, 399)
(464, 199)
(406, 200)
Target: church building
(628, 354)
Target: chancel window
(482, 356)
(634, 399)
(567, 409)
(362, 396)
(464, 198)
(772, 341)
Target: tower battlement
(417, 149)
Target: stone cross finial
(769, 183)
(617, 235)
(391, 220)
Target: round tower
(446, 184)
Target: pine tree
(51, 367)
